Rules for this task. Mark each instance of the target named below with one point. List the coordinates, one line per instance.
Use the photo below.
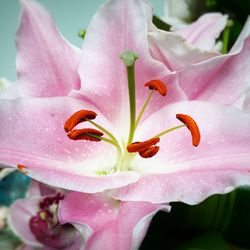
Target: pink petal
(109, 224)
(222, 79)
(174, 51)
(37, 189)
(181, 172)
(32, 134)
(20, 213)
(204, 32)
(46, 63)
(116, 27)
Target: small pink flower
(34, 219)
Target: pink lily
(34, 219)
(32, 134)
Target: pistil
(129, 58)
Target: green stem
(143, 108)
(168, 130)
(225, 38)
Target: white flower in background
(3, 215)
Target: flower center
(145, 149)
(46, 228)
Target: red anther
(142, 146)
(192, 126)
(85, 134)
(158, 86)
(22, 169)
(150, 152)
(77, 118)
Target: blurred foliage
(220, 222)
(8, 241)
(12, 187)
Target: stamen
(22, 169)
(48, 201)
(77, 118)
(88, 134)
(192, 126)
(158, 86)
(142, 146)
(143, 108)
(150, 152)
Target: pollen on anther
(158, 86)
(78, 117)
(142, 146)
(88, 134)
(192, 126)
(150, 152)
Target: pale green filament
(103, 139)
(112, 142)
(129, 58)
(168, 130)
(105, 131)
(143, 108)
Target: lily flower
(120, 117)
(34, 219)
